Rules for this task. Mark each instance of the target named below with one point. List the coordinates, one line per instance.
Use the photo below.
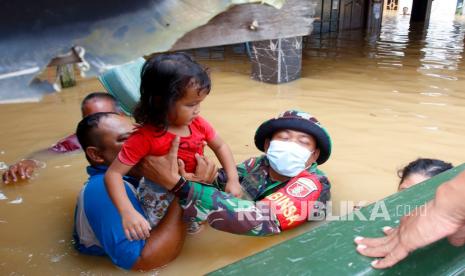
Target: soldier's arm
(225, 212)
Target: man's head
(293, 136)
(102, 135)
(99, 102)
(300, 138)
(405, 10)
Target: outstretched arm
(227, 213)
(25, 168)
(22, 170)
(444, 216)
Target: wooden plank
(252, 22)
(329, 249)
(69, 58)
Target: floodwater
(384, 101)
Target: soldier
(284, 185)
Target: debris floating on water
(29, 258)
(438, 104)
(433, 128)
(57, 258)
(63, 166)
(432, 94)
(18, 200)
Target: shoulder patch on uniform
(302, 187)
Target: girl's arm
(135, 225)
(224, 154)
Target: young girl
(172, 88)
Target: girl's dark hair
(164, 80)
(424, 166)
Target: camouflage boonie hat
(299, 121)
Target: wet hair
(87, 126)
(164, 80)
(102, 96)
(424, 166)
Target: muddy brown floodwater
(384, 102)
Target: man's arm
(444, 216)
(22, 170)
(25, 168)
(206, 170)
(104, 221)
(227, 213)
(221, 210)
(165, 241)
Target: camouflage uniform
(226, 213)
(253, 217)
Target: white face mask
(287, 158)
